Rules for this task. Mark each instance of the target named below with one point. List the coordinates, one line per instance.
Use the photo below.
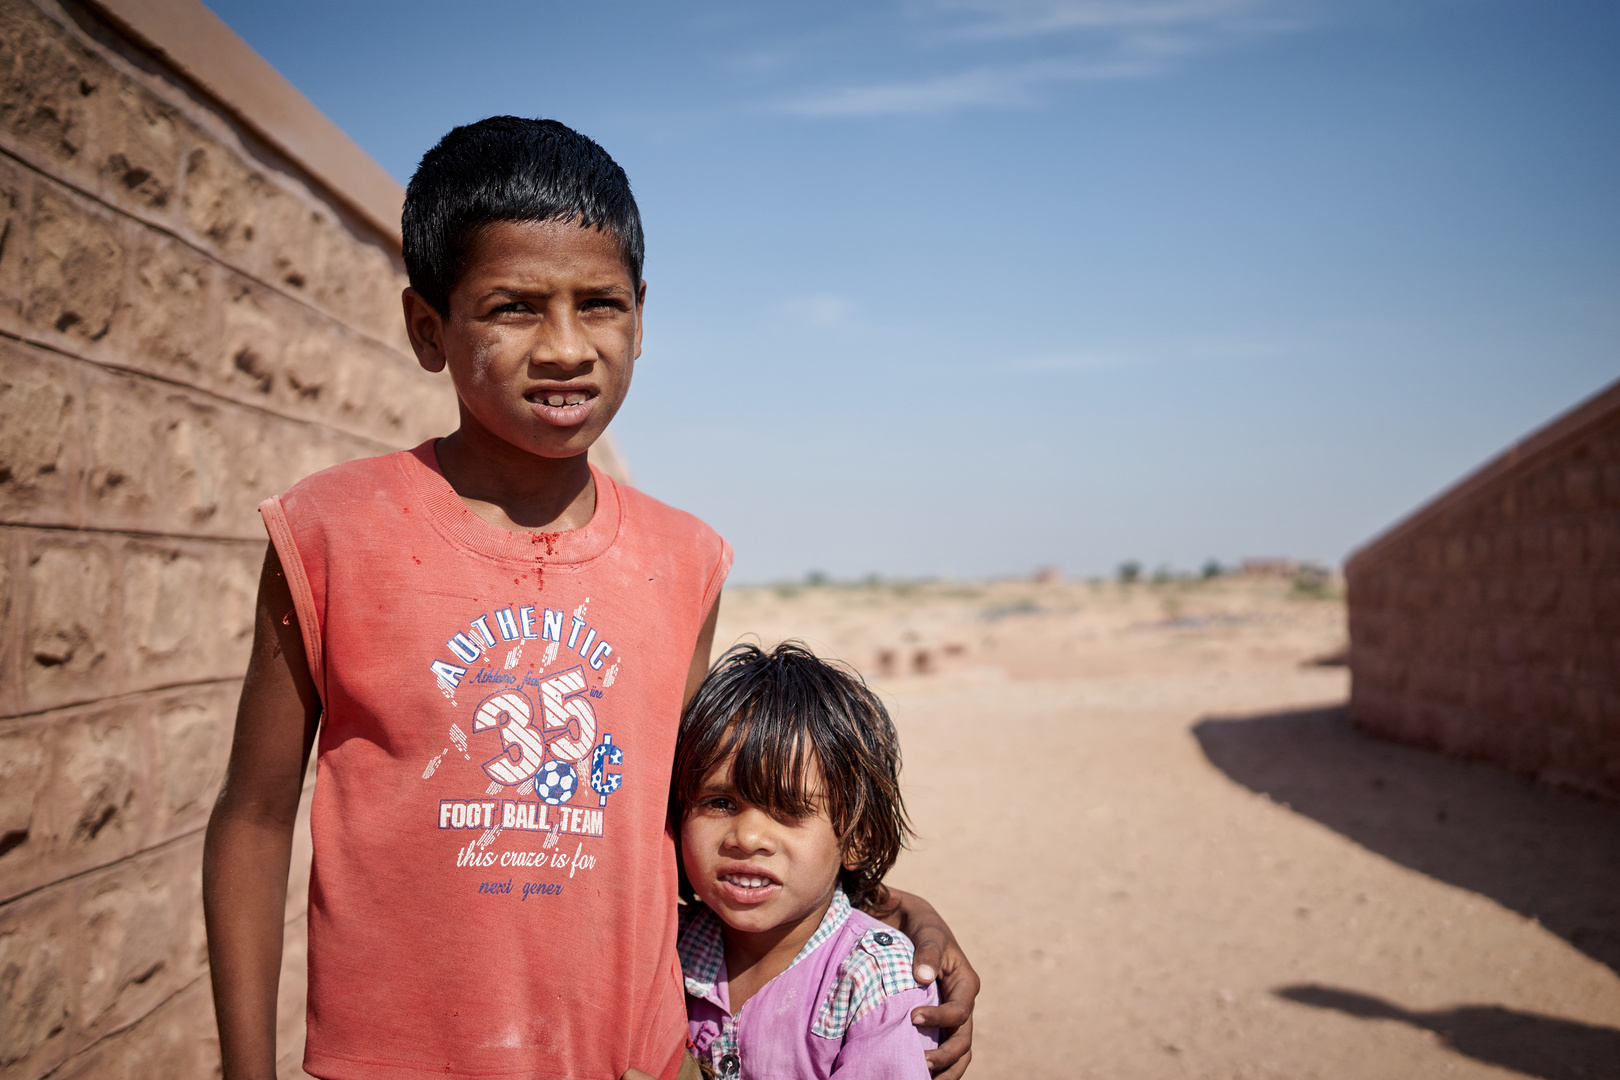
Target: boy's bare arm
(938, 956)
(249, 841)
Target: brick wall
(189, 322)
(1488, 624)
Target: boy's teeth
(558, 401)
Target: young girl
(786, 791)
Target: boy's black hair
(779, 712)
(508, 168)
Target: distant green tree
(1129, 572)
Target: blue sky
(961, 287)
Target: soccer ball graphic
(555, 782)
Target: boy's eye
(514, 306)
(718, 803)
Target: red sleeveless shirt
(493, 889)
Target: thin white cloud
(759, 60)
(1238, 348)
(1039, 18)
(818, 309)
(1085, 361)
(1189, 350)
(1103, 40)
(985, 87)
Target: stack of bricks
(189, 322)
(1487, 625)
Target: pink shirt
(842, 1008)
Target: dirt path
(1169, 855)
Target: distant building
(1269, 567)
(1487, 624)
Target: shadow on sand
(1528, 1043)
(1551, 855)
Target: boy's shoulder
(370, 477)
(649, 515)
(666, 542)
(363, 504)
(365, 477)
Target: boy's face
(542, 337)
(755, 871)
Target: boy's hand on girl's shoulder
(953, 1016)
(938, 956)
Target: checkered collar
(702, 946)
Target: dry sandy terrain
(1168, 854)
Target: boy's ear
(641, 305)
(425, 326)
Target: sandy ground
(1168, 854)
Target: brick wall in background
(1488, 624)
(188, 323)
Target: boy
(497, 641)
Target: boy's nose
(562, 343)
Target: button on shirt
(842, 1008)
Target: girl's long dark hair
(779, 712)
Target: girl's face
(755, 871)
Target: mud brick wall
(1488, 624)
(188, 323)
